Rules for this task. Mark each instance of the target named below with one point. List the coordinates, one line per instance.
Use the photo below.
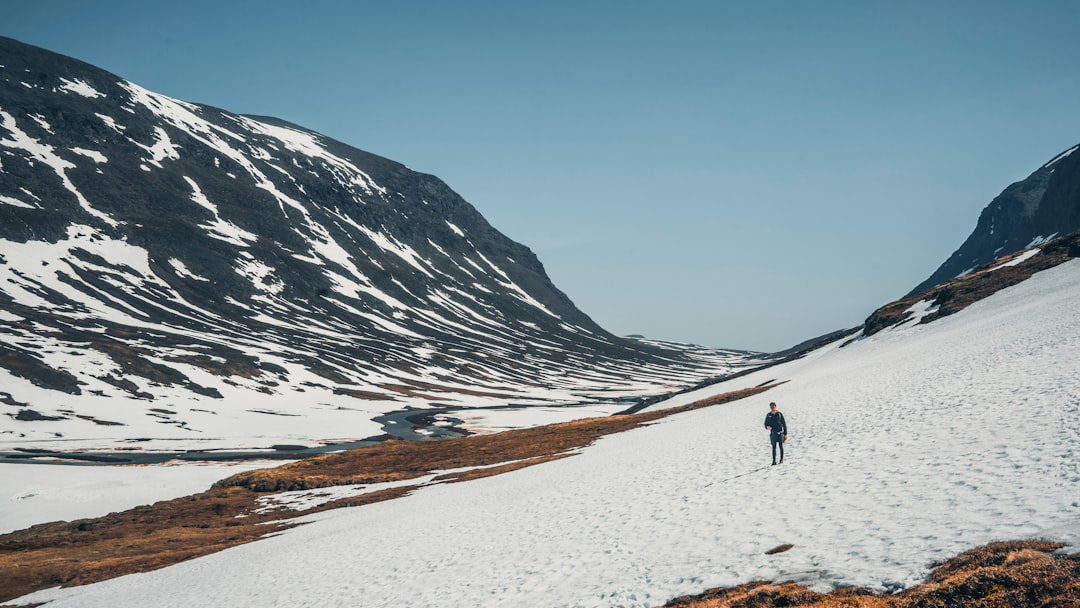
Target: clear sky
(737, 174)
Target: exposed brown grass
(398, 460)
(763, 594)
(167, 532)
(144, 538)
(1017, 574)
(780, 549)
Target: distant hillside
(172, 272)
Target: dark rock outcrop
(1028, 212)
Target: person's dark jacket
(775, 422)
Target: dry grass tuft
(141, 539)
(1017, 574)
(756, 594)
(1004, 574)
(779, 549)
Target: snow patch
(97, 157)
(966, 272)
(44, 124)
(401, 250)
(1017, 260)
(218, 228)
(80, 87)
(308, 144)
(162, 149)
(14, 202)
(182, 270)
(919, 310)
(1062, 156)
(108, 120)
(46, 154)
(1039, 240)
(260, 275)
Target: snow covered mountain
(175, 276)
(1027, 213)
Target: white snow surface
(906, 447)
(1062, 156)
(80, 87)
(1023, 257)
(39, 493)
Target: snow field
(39, 493)
(905, 448)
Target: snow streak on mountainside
(172, 271)
(1027, 213)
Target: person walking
(774, 421)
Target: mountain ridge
(159, 251)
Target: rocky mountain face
(1033, 225)
(1029, 212)
(172, 271)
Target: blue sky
(736, 174)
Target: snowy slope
(906, 447)
(35, 494)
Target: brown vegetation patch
(363, 499)
(137, 540)
(1017, 574)
(780, 549)
(167, 532)
(398, 460)
(762, 594)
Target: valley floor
(906, 448)
(40, 493)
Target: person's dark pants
(777, 440)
